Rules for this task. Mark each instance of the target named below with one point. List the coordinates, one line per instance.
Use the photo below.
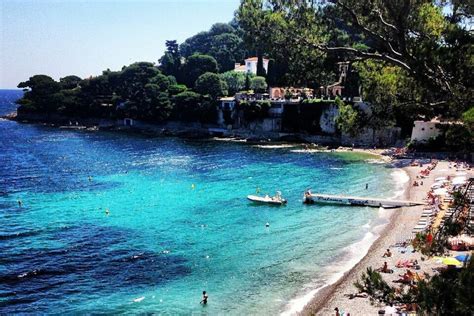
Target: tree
(222, 42)
(170, 62)
(176, 89)
(187, 106)
(247, 81)
(211, 84)
(271, 74)
(157, 103)
(419, 37)
(162, 81)
(41, 96)
(235, 81)
(348, 120)
(197, 65)
(448, 293)
(70, 82)
(258, 84)
(260, 69)
(270, 28)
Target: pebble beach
(401, 224)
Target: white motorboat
(273, 200)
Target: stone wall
(328, 119)
(370, 137)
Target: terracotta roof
(240, 68)
(254, 59)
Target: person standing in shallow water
(204, 298)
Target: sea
(120, 223)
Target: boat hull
(262, 200)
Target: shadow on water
(94, 262)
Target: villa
(250, 65)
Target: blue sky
(84, 37)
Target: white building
(250, 65)
(423, 131)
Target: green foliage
(417, 54)
(260, 69)
(222, 42)
(468, 117)
(459, 137)
(187, 106)
(41, 96)
(449, 293)
(349, 119)
(273, 28)
(140, 88)
(211, 84)
(162, 81)
(170, 62)
(70, 82)
(197, 65)
(372, 283)
(235, 81)
(176, 89)
(255, 110)
(258, 84)
(272, 78)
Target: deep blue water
(115, 223)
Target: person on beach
(337, 312)
(384, 268)
(387, 254)
(204, 298)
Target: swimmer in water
(20, 203)
(107, 212)
(204, 298)
(193, 186)
(267, 225)
(90, 179)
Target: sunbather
(384, 268)
(387, 254)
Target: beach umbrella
(437, 259)
(463, 258)
(440, 191)
(451, 261)
(459, 180)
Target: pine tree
(271, 74)
(260, 69)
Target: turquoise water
(178, 222)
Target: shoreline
(255, 140)
(403, 219)
(324, 294)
